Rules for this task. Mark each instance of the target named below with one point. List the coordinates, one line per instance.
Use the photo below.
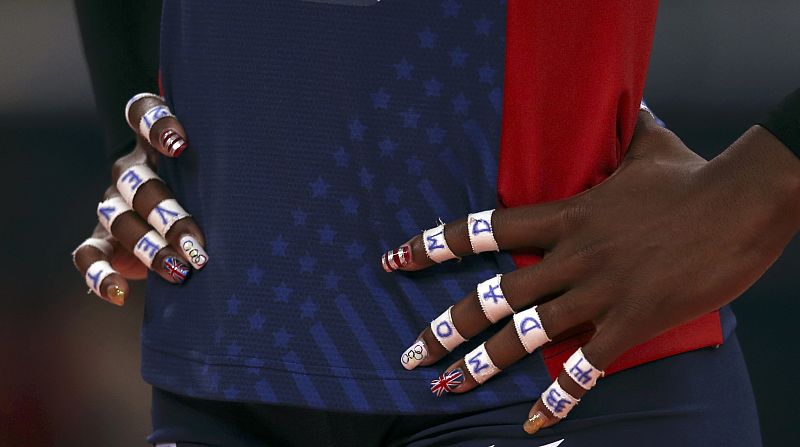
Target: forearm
(120, 40)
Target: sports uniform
(321, 134)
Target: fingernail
(397, 258)
(194, 252)
(534, 423)
(176, 269)
(172, 142)
(447, 382)
(414, 355)
(115, 295)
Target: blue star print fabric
(321, 136)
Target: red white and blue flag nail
(447, 382)
(177, 269)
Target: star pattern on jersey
(279, 246)
(256, 321)
(403, 69)
(398, 140)
(299, 217)
(357, 130)
(282, 292)
(414, 165)
(387, 147)
(433, 87)
(380, 99)
(254, 275)
(355, 250)
(458, 57)
(341, 157)
(410, 118)
(331, 280)
(461, 104)
(450, 8)
(427, 38)
(326, 235)
(319, 188)
(281, 337)
(350, 205)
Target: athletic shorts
(699, 398)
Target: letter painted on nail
(414, 355)
(194, 252)
(447, 382)
(176, 269)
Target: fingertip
(468, 382)
(535, 421)
(115, 295)
(115, 289)
(193, 250)
(408, 257)
(414, 355)
(172, 139)
(172, 268)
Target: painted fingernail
(193, 251)
(414, 355)
(534, 423)
(115, 295)
(172, 142)
(397, 258)
(447, 382)
(176, 269)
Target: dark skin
(129, 227)
(667, 238)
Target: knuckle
(575, 214)
(593, 253)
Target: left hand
(667, 238)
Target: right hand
(140, 225)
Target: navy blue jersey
(321, 136)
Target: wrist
(760, 166)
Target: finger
(579, 375)
(493, 300)
(135, 235)
(520, 337)
(523, 227)
(149, 116)
(92, 258)
(142, 189)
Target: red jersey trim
(574, 76)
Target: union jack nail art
(172, 142)
(447, 382)
(397, 258)
(176, 269)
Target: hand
(141, 226)
(667, 238)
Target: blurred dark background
(69, 363)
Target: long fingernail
(397, 258)
(447, 382)
(176, 269)
(534, 423)
(115, 295)
(414, 355)
(172, 142)
(194, 252)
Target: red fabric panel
(700, 333)
(574, 75)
